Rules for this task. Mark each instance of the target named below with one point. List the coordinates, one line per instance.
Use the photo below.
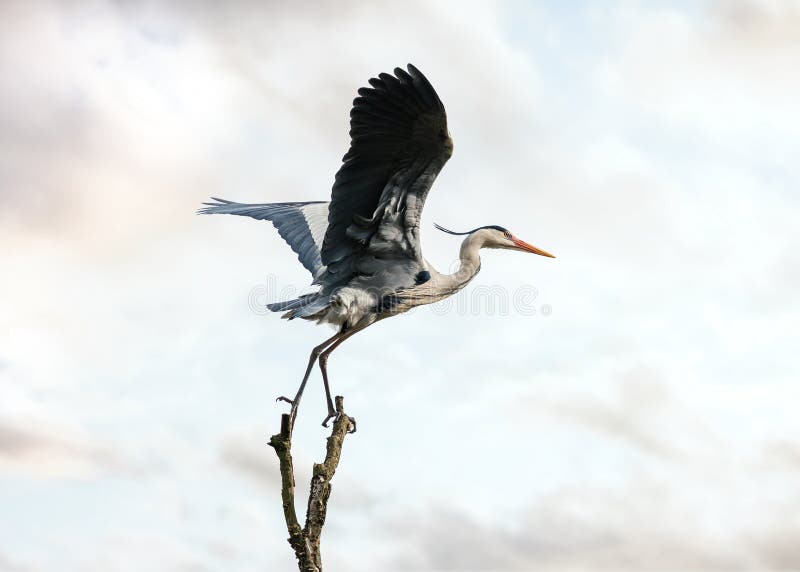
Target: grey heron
(362, 247)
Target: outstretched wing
(301, 225)
(399, 143)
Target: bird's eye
(507, 235)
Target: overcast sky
(638, 412)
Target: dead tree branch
(305, 541)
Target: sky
(630, 405)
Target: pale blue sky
(648, 422)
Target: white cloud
(650, 147)
(52, 454)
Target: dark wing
(399, 143)
(301, 225)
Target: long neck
(470, 262)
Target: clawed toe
(331, 415)
(335, 416)
(286, 399)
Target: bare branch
(282, 443)
(306, 541)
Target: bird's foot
(335, 416)
(331, 415)
(286, 399)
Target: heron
(362, 247)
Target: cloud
(648, 420)
(632, 418)
(664, 67)
(147, 98)
(253, 459)
(8, 564)
(642, 527)
(782, 455)
(758, 23)
(249, 457)
(778, 547)
(53, 452)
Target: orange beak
(522, 245)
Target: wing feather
(399, 143)
(301, 225)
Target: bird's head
(494, 236)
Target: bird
(362, 247)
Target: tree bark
(305, 541)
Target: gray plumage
(362, 248)
(399, 143)
(301, 225)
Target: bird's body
(362, 248)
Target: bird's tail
(305, 306)
(286, 305)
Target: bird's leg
(323, 366)
(295, 403)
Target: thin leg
(315, 353)
(323, 366)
